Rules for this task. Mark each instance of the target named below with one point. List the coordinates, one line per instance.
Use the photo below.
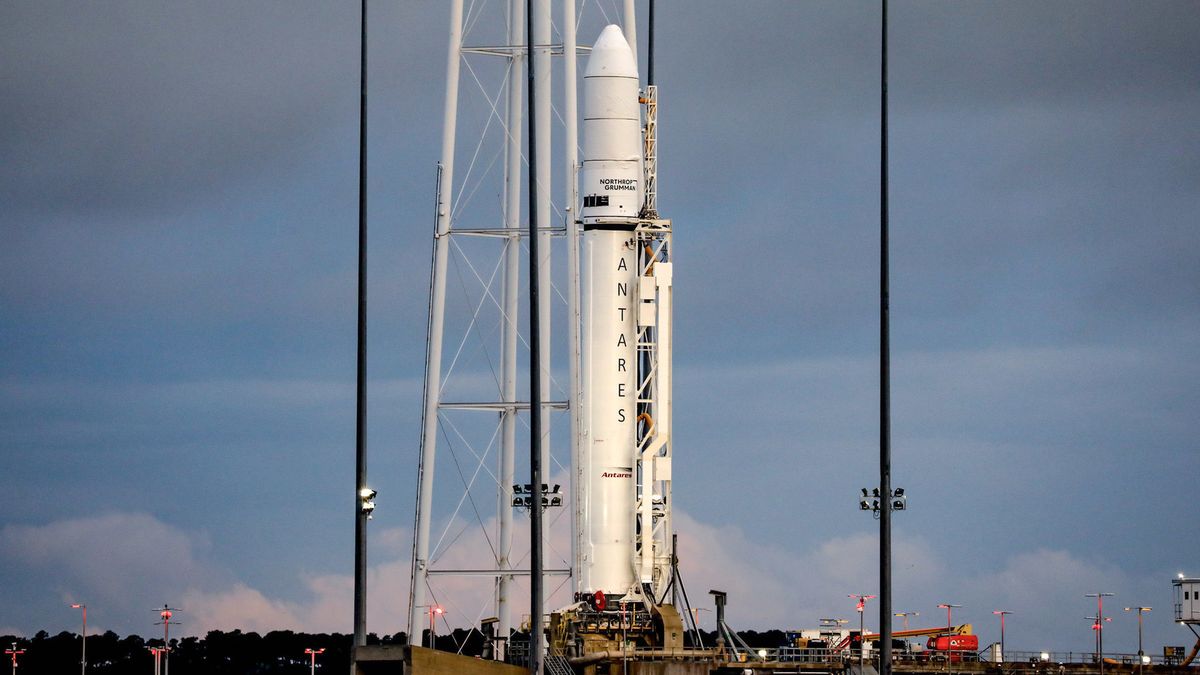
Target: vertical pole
(650, 44)
(1099, 625)
(885, 384)
(512, 269)
(1139, 633)
(862, 642)
(1141, 657)
(83, 668)
(83, 654)
(437, 306)
(570, 191)
(544, 212)
(360, 427)
(630, 15)
(535, 362)
(166, 643)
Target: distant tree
(217, 653)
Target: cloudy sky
(177, 279)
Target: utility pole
(535, 366)
(165, 621)
(157, 654)
(862, 642)
(14, 652)
(885, 374)
(1139, 610)
(364, 495)
(83, 657)
(312, 662)
(1099, 625)
(1001, 613)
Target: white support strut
(437, 305)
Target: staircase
(556, 664)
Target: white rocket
(615, 554)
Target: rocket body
(611, 193)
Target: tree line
(217, 653)
(241, 653)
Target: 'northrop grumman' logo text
(619, 183)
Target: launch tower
(617, 289)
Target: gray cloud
(113, 107)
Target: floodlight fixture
(905, 615)
(312, 663)
(949, 609)
(1141, 655)
(873, 500)
(366, 501)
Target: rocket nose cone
(611, 55)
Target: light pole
(14, 652)
(434, 611)
(157, 653)
(1001, 613)
(312, 662)
(1139, 610)
(949, 608)
(862, 643)
(1099, 625)
(905, 616)
(165, 621)
(83, 658)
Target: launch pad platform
(409, 660)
